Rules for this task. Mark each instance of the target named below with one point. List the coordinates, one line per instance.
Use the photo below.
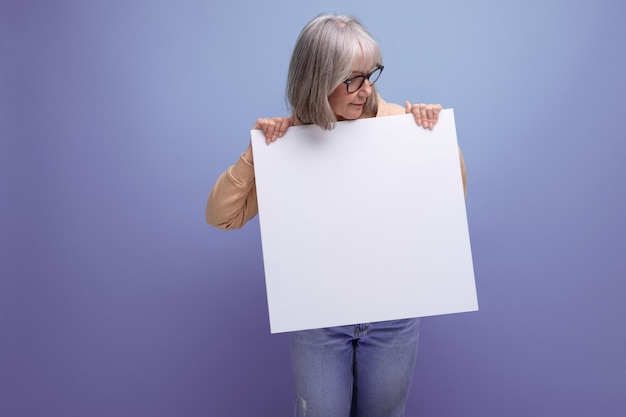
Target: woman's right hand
(273, 127)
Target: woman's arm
(233, 202)
(463, 173)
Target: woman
(362, 370)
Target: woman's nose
(366, 89)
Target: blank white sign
(363, 223)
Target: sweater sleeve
(233, 201)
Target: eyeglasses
(353, 84)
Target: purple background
(116, 118)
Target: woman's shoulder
(388, 109)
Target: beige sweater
(233, 202)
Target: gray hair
(325, 55)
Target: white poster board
(363, 223)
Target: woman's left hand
(426, 115)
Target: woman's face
(349, 106)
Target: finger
(415, 109)
(433, 114)
(274, 128)
(436, 110)
(265, 125)
(269, 129)
(285, 122)
(257, 124)
(424, 115)
(430, 116)
(408, 108)
(261, 124)
(277, 123)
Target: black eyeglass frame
(349, 81)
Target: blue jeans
(362, 370)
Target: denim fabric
(362, 370)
